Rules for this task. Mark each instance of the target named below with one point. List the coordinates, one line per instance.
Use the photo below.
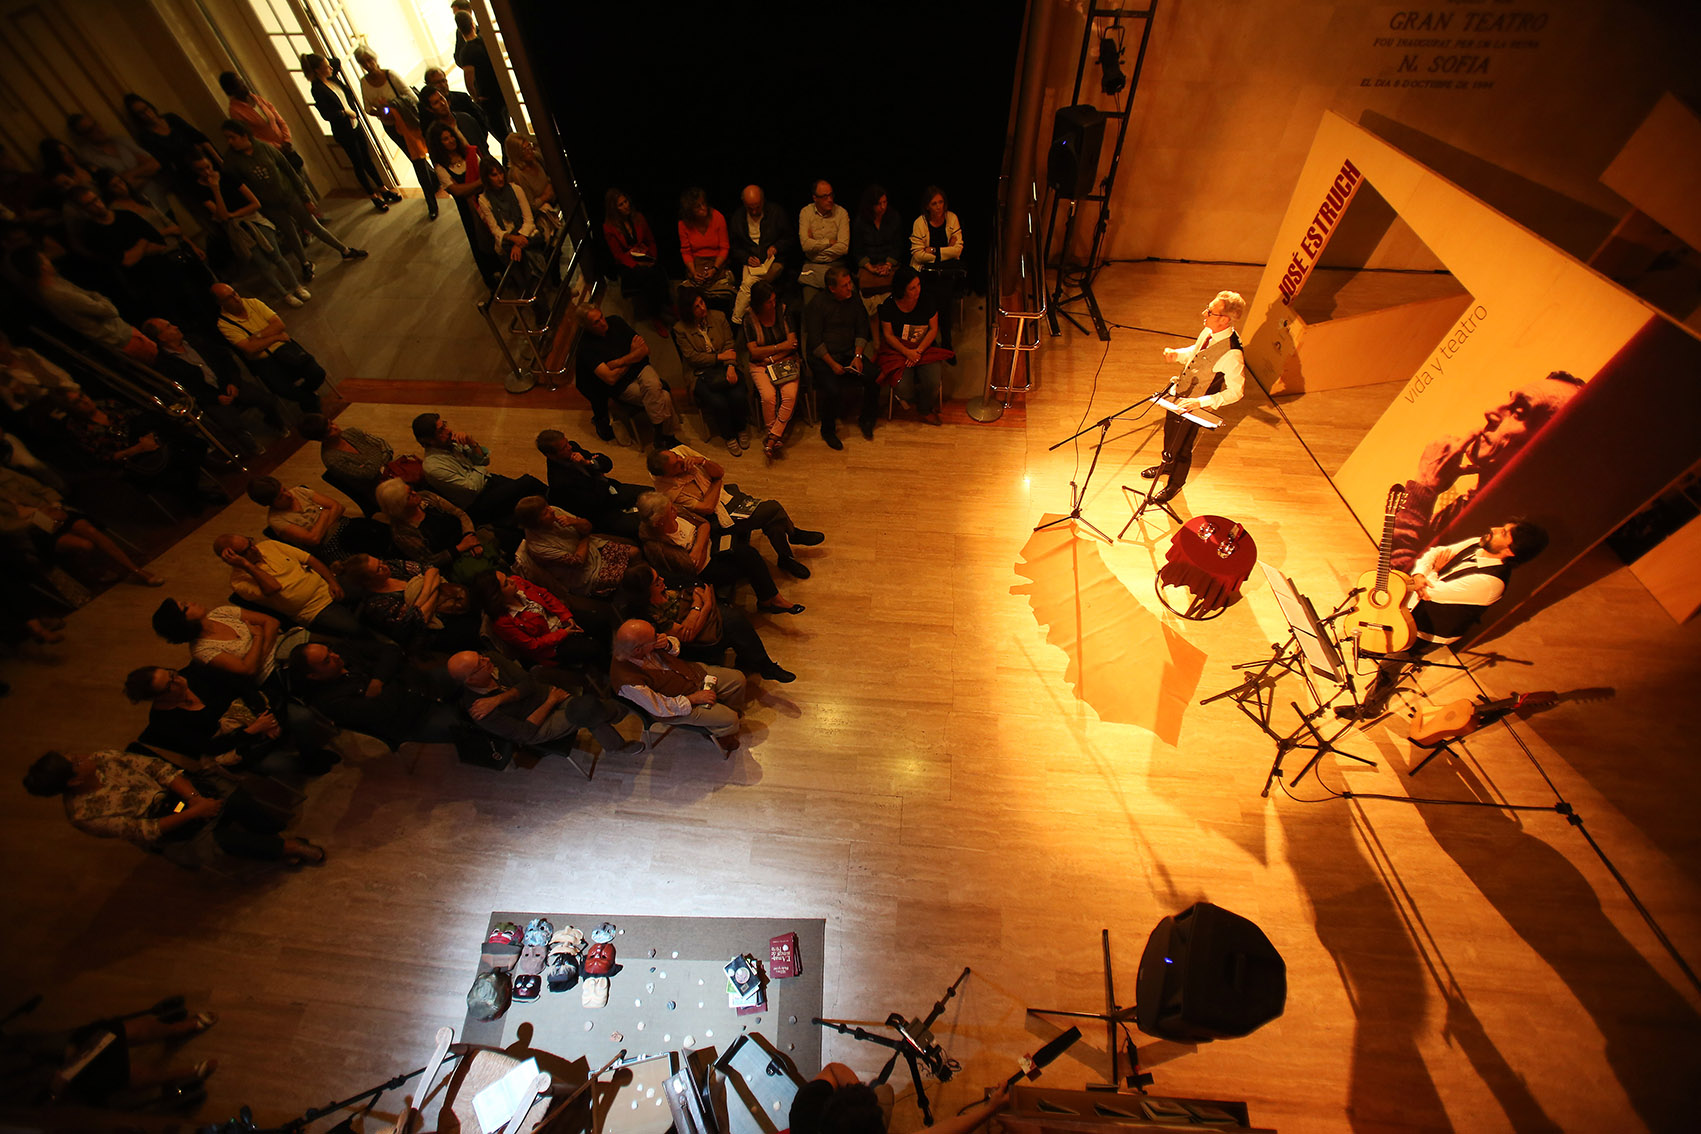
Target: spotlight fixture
(1110, 60)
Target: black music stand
(1114, 1016)
(1150, 497)
(914, 1042)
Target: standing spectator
(281, 192)
(264, 122)
(344, 123)
(824, 231)
(613, 362)
(473, 58)
(253, 241)
(173, 142)
(435, 109)
(388, 99)
(466, 110)
(99, 149)
(704, 246)
(528, 173)
(838, 330)
(633, 247)
(288, 581)
(878, 242)
(274, 357)
(937, 235)
(456, 166)
(908, 358)
(705, 344)
(775, 362)
(761, 242)
(88, 313)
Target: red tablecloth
(1210, 556)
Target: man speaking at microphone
(1213, 375)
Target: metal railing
(525, 328)
(1026, 337)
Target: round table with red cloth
(1210, 557)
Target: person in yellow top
(288, 581)
(272, 354)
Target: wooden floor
(937, 789)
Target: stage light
(1110, 59)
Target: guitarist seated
(1451, 588)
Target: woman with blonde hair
(526, 171)
(390, 100)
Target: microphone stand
(1078, 493)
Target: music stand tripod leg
(1433, 753)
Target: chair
(651, 737)
(359, 491)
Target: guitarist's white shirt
(1449, 567)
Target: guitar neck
(1386, 552)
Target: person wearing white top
(1214, 361)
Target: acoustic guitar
(1432, 727)
(1381, 620)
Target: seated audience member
(149, 266)
(824, 232)
(232, 209)
(456, 468)
(681, 549)
(427, 529)
(272, 354)
(360, 687)
(282, 194)
(468, 116)
(198, 712)
(613, 362)
(232, 639)
(100, 149)
(121, 195)
(388, 99)
(411, 605)
(879, 243)
(762, 245)
(332, 98)
(775, 362)
(706, 628)
(289, 581)
(146, 445)
(122, 795)
(705, 248)
(314, 522)
(88, 313)
(435, 109)
(579, 483)
(26, 377)
(507, 217)
(633, 247)
(837, 327)
(37, 524)
(505, 700)
(909, 357)
(352, 454)
(704, 340)
(698, 486)
(648, 672)
(213, 378)
(566, 556)
(534, 625)
(936, 237)
(1453, 585)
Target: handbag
(784, 370)
(407, 468)
(407, 108)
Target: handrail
(181, 407)
(523, 375)
(985, 408)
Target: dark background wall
(904, 94)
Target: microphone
(1032, 1065)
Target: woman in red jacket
(633, 247)
(704, 247)
(534, 625)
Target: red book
(783, 958)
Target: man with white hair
(649, 672)
(1212, 377)
(503, 699)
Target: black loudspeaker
(1208, 974)
(1077, 135)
